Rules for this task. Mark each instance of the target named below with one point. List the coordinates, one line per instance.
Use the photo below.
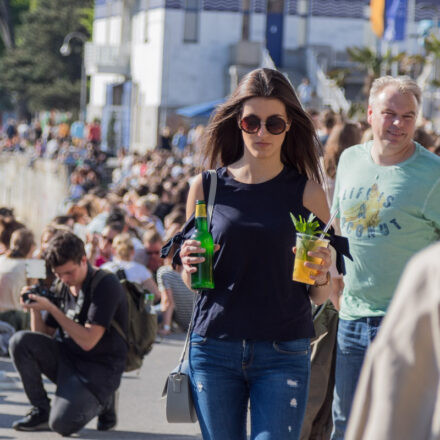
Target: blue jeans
(274, 376)
(354, 338)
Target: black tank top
(254, 296)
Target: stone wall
(36, 192)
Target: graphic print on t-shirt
(363, 217)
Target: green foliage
(338, 76)
(372, 61)
(432, 45)
(357, 111)
(86, 19)
(10, 18)
(309, 226)
(35, 72)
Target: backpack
(142, 325)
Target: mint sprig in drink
(307, 239)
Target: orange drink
(306, 243)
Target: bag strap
(210, 208)
(211, 196)
(97, 276)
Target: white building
(151, 57)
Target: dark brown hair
(341, 137)
(22, 241)
(224, 144)
(8, 225)
(63, 247)
(423, 137)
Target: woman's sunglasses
(274, 124)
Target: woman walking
(251, 333)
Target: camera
(41, 291)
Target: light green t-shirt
(388, 213)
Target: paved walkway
(141, 409)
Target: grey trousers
(35, 354)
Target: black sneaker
(107, 419)
(35, 420)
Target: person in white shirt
(13, 278)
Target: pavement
(141, 414)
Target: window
(245, 24)
(146, 16)
(117, 92)
(191, 21)
(109, 14)
(275, 6)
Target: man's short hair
(329, 119)
(116, 226)
(116, 215)
(151, 236)
(64, 246)
(404, 84)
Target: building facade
(151, 57)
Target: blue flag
(395, 20)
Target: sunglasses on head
(274, 124)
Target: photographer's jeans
(274, 376)
(74, 405)
(354, 338)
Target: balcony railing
(107, 59)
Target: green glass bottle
(203, 278)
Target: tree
(373, 62)
(10, 18)
(432, 47)
(34, 72)
(6, 28)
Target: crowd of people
(254, 332)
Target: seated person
(8, 224)
(123, 253)
(99, 250)
(153, 244)
(74, 345)
(176, 299)
(13, 278)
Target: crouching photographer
(74, 344)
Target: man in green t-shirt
(387, 193)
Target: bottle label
(201, 210)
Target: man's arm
(38, 324)
(86, 336)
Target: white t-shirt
(12, 280)
(134, 272)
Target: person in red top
(94, 135)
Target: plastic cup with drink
(308, 240)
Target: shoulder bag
(177, 390)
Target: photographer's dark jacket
(100, 368)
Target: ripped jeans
(273, 376)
